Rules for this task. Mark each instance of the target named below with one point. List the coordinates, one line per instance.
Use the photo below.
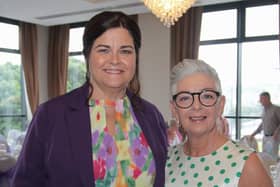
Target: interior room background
(241, 40)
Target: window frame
(23, 115)
(76, 53)
(73, 26)
(239, 39)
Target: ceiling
(55, 12)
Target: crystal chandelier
(168, 11)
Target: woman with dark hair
(101, 134)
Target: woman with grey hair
(207, 157)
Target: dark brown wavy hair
(99, 24)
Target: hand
(251, 137)
(275, 136)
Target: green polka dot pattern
(222, 171)
(180, 165)
(202, 159)
(210, 178)
(220, 168)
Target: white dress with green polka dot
(221, 168)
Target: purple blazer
(57, 147)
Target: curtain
(58, 60)
(185, 36)
(29, 57)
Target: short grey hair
(188, 67)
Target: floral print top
(124, 159)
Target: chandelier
(168, 11)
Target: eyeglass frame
(174, 97)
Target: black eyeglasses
(185, 99)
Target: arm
(276, 134)
(258, 130)
(254, 174)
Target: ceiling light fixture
(168, 11)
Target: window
(244, 49)
(76, 64)
(227, 21)
(13, 113)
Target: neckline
(207, 155)
(108, 103)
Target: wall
(154, 62)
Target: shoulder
(145, 107)
(276, 108)
(148, 113)
(175, 155)
(138, 102)
(148, 106)
(239, 149)
(152, 113)
(73, 98)
(175, 150)
(50, 111)
(254, 173)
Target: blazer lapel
(78, 122)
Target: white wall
(154, 62)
